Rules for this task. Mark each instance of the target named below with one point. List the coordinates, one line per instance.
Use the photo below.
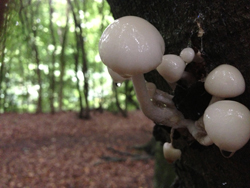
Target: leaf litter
(62, 151)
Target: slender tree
(2, 65)
(53, 59)
(30, 28)
(81, 47)
(63, 42)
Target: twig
(121, 152)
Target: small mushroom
(225, 81)
(227, 124)
(187, 55)
(171, 68)
(170, 153)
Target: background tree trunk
(226, 40)
(82, 55)
(63, 41)
(30, 28)
(53, 61)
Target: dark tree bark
(226, 39)
(3, 8)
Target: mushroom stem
(198, 131)
(215, 99)
(161, 97)
(154, 113)
(168, 115)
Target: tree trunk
(62, 61)
(81, 48)
(2, 64)
(226, 39)
(53, 59)
(3, 8)
(117, 103)
(31, 34)
(76, 55)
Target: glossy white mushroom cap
(227, 124)
(131, 45)
(170, 153)
(171, 68)
(116, 77)
(187, 55)
(225, 81)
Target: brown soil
(47, 151)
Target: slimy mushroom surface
(225, 81)
(227, 124)
(171, 68)
(131, 45)
(187, 54)
(170, 153)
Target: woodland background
(49, 59)
(51, 77)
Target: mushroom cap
(171, 68)
(131, 45)
(170, 153)
(225, 81)
(227, 124)
(116, 77)
(187, 54)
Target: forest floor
(60, 150)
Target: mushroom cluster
(131, 47)
(226, 122)
(172, 66)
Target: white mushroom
(187, 55)
(171, 154)
(225, 81)
(198, 132)
(116, 77)
(227, 123)
(131, 46)
(171, 68)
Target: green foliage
(27, 49)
